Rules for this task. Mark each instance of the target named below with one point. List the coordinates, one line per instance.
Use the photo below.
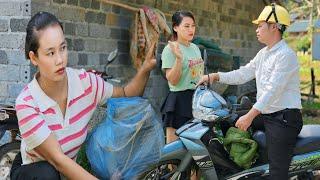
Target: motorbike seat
(307, 141)
(260, 138)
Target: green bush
(292, 41)
(311, 105)
(303, 43)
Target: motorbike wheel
(307, 176)
(164, 171)
(7, 154)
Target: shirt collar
(75, 87)
(44, 102)
(277, 46)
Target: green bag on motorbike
(242, 149)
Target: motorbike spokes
(162, 172)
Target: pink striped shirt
(39, 115)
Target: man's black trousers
(282, 129)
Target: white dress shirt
(277, 78)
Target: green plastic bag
(242, 149)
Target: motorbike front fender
(177, 151)
(174, 150)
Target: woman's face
(186, 29)
(52, 54)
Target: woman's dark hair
(38, 22)
(177, 19)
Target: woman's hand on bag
(150, 61)
(205, 78)
(174, 46)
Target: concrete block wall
(90, 32)
(15, 71)
(93, 29)
(227, 22)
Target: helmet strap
(273, 12)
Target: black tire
(7, 154)
(161, 171)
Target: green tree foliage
(303, 8)
(304, 43)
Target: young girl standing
(183, 66)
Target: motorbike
(9, 125)
(200, 147)
(8, 128)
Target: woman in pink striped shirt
(54, 108)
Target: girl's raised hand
(174, 46)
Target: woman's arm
(39, 138)
(137, 85)
(50, 150)
(173, 75)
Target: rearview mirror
(245, 102)
(112, 55)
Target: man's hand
(150, 61)
(205, 79)
(244, 122)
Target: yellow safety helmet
(274, 14)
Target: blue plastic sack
(127, 141)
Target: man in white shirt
(276, 70)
